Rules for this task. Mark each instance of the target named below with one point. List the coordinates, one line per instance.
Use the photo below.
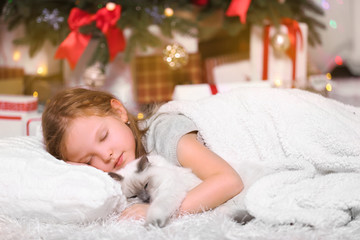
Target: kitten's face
(135, 180)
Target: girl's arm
(220, 181)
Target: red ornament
(74, 45)
(238, 8)
(200, 2)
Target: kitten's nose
(144, 196)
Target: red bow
(74, 45)
(293, 30)
(238, 8)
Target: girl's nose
(105, 155)
(108, 157)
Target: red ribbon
(74, 45)
(238, 8)
(19, 106)
(213, 89)
(293, 30)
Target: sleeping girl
(281, 153)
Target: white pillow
(35, 184)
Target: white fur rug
(209, 225)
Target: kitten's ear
(116, 176)
(143, 163)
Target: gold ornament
(280, 42)
(169, 12)
(175, 56)
(94, 76)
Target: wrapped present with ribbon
(18, 115)
(76, 42)
(279, 55)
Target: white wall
(45, 57)
(343, 41)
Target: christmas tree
(49, 20)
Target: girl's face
(106, 143)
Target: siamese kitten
(154, 180)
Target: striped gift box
(155, 81)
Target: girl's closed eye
(104, 136)
(88, 162)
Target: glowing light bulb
(110, 6)
(169, 12)
(328, 87)
(35, 94)
(140, 116)
(16, 56)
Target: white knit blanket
(304, 148)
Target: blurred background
(146, 51)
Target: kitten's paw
(157, 222)
(157, 217)
(242, 217)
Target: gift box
(11, 80)
(210, 64)
(155, 80)
(18, 115)
(280, 55)
(199, 91)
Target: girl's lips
(119, 161)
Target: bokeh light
(325, 4)
(41, 70)
(169, 12)
(333, 24)
(140, 116)
(16, 56)
(110, 6)
(277, 82)
(338, 60)
(328, 76)
(328, 87)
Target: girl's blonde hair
(79, 102)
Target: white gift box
(280, 69)
(18, 115)
(199, 91)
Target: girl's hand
(136, 211)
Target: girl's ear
(119, 109)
